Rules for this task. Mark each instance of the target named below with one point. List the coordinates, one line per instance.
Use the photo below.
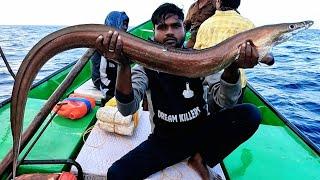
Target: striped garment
(104, 71)
(104, 74)
(220, 26)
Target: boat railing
(310, 143)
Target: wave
(292, 84)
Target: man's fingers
(248, 55)
(106, 40)
(248, 51)
(121, 58)
(242, 51)
(118, 49)
(113, 41)
(254, 52)
(99, 41)
(251, 43)
(250, 60)
(268, 59)
(99, 44)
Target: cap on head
(116, 19)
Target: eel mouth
(292, 30)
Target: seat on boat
(101, 149)
(88, 89)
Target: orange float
(75, 106)
(67, 176)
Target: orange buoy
(56, 176)
(67, 176)
(74, 107)
(91, 99)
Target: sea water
(291, 85)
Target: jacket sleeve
(139, 86)
(221, 94)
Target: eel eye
(292, 26)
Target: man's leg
(240, 99)
(227, 130)
(149, 157)
(196, 163)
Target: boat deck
(61, 140)
(102, 148)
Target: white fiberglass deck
(101, 149)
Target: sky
(72, 12)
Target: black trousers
(214, 139)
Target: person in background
(104, 71)
(181, 125)
(198, 12)
(225, 23)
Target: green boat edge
(278, 150)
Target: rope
(88, 131)
(7, 64)
(164, 174)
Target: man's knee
(253, 113)
(116, 172)
(123, 169)
(253, 117)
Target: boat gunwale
(8, 100)
(265, 102)
(289, 124)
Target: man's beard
(173, 42)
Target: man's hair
(233, 4)
(160, 13)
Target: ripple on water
(292, 84)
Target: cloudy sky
(71, 12)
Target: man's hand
(111, 46)
(268, 59)
(247, 58)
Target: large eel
(180, 62)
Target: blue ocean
(291, 85)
